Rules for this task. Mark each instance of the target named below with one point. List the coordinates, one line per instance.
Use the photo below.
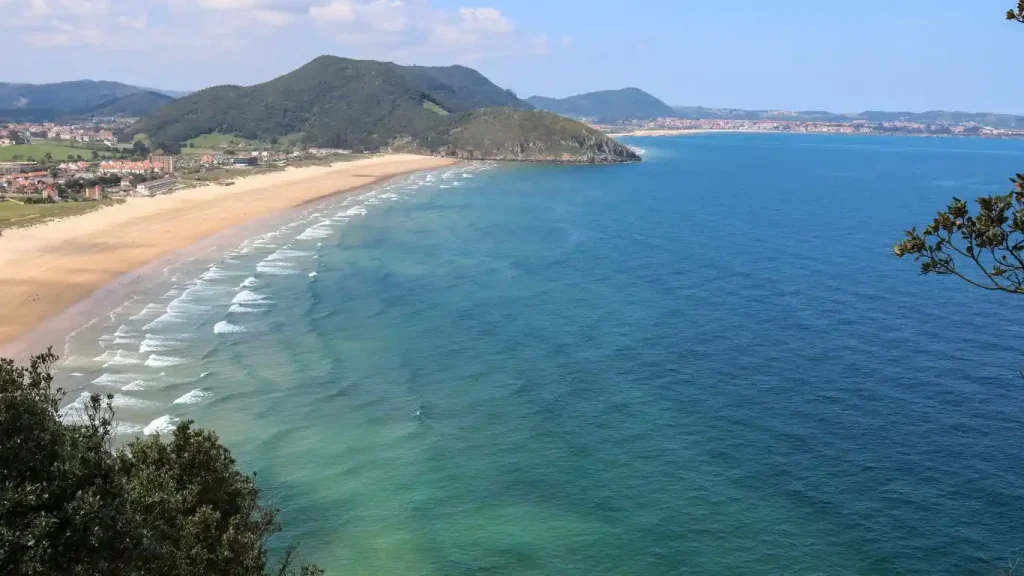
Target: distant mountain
(79, 98)
(171, 93)
(130, 106)
(932, 117)
(607, 106)
(367, 106)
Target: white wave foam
(125, 401)
(278, 269)
(312, 274)
(158, 343)
(204, 375)
(223, 327)
(162, 425)
(239, 309)
(116, 379)
(194, 397)
(122, 358)
(106, 356)
(76, 374)
(75, 412)
(249, 282)
(285, 254)
(248, 297)
(136, 385)
(356, 211)
(317, 231)
(158, 361)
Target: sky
(788, 54)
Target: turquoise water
(706, 363)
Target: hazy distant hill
(367, 106)
(130, 106)
(607, 106)
(63, 100)
(932, 117)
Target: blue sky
(791, 54)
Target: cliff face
(528, 136)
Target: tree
(71, 157)
(985, 249)
(72, 504)
(48, 157)
(95, 155)
(140, 148)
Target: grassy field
(22, 152)
(220, 142)
(15, 215)
(221, 174)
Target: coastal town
(905, 128)
(47, 162)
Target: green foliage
(988, 246)
(526, 135)
(607, 105)
(333, 102)
(70, 504)
(1018, 14)
(56, 151)
(986, 249)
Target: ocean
(707, 363)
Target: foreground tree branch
(985, 249)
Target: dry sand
(47, 269)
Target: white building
(156, 186)
(17, 167)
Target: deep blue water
(709, 362)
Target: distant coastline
(658, 132)
(673, 132)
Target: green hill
(62, 96)
(368, 106)
(76, 99)
(528, 136)
(128, 106)
(607, 105)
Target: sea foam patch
(194, 397)
(159, 361)
(162, 425)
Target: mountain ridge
(619, 105)
(366, 105)
(76, 98)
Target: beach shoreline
(668, 132)
(55, 275)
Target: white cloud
(137, 23)
(410, 31)
(339, 11)
(67, 38)
(485, 20)
(39, 7)
(538, 45)
(380, 15)
(274, 17)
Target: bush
(71, 504)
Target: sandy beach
(47, 269)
